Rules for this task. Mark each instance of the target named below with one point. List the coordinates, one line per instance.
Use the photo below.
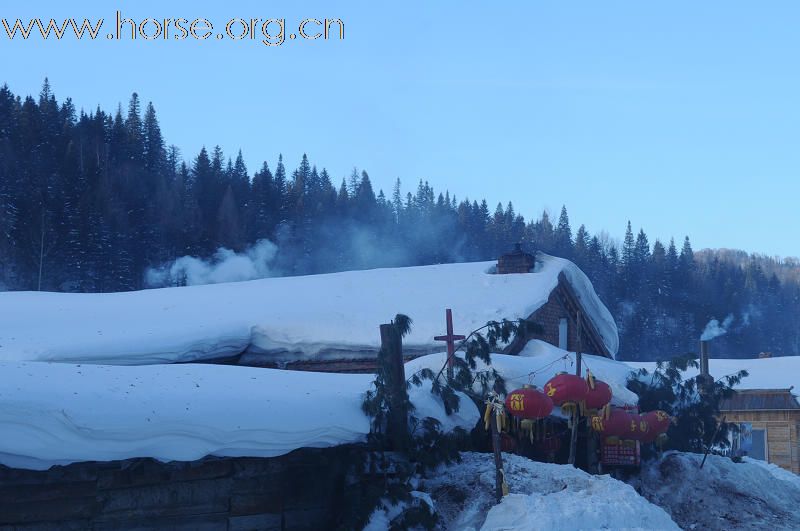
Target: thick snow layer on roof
(542, 496)
(764, 373)
(540, 361)
(58, 413)
(318, 315)
(614, 373)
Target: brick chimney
(517, 261)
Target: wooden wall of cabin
(783, 434)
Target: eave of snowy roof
(290, 317)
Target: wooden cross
(451, 339)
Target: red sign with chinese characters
(618, 452)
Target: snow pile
(779, 473)
(537, 363)
(382, 517)
(764, 373)
(543, 496)
(333, 315)
(723, 495)
(55, 413)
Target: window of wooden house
(562, 333)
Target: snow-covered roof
(538, 362)
(59, 413)
(764, 373)
(307, 316)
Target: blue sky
(681, 116)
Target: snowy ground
(285, 318)
(542, 496)
(723, 495)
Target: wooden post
(579, 346)
(573, 442)
(451, 339)
(392, 349)
(711, 442)
(498, 458)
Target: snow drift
(542, 496)
(284, 318)
(723, 495)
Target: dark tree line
(89, 201)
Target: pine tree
(563, 235)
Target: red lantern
(528, 403)
(567, 391)
(638, 428)
(617, 424)
(599, 394)
(658, 422)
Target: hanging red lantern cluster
(568, 391)
(528, 403)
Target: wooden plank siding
(783, 434)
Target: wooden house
(773, 416)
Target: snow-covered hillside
(286, 318)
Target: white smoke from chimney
(225, 266)
(715, 329)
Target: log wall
(303, 490)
